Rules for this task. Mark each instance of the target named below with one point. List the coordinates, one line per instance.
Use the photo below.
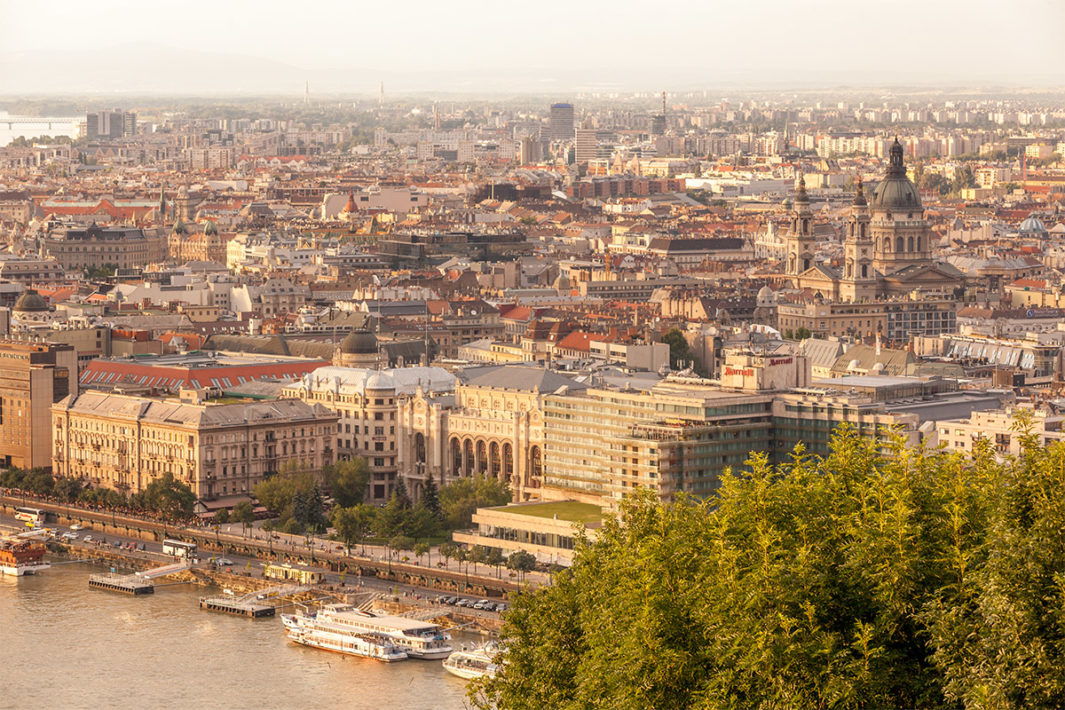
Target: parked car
(224, 562)
(88, 538)
(140, 546)
(70, 536)
(75, 527)
(483, 604)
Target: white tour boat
(417, 639)
(316, 630)
(475, 663)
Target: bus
(31, 516)
(292, 574)
(177, 548)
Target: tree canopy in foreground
(868, 579)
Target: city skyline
(467, 46)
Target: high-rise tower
(562, 126)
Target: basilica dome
(895, 191)
(359, 342)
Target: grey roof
(696, 244)
(895, 193)
(518, 377)
(176, 412)
(895, 362)
(820, 352)
(270, 345)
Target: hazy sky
(638, 42)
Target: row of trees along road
(164, 496)
(877, 577)
(297, 496)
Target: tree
(448, 550)
(521, 562)
(813, 583)
(400, 493)
(460, 498)
(802, 333)
(999, 625)
(679, 354)
(68, 489)
(393, 519)
(293, 492)
(421, 549)
(221, 517)
(353, 524)
(402, 543)
(169, 496)
(244, 513)
(495, 558)
(347, 481)
(431, 498)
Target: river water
(61, 126)
(63, 645)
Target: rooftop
(563, 510)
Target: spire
(800, 192)
(895, 166)
(162, 201)
(859, 195)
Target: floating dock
(236, 606)
(251, 605)
(123, 583)
(139, 583)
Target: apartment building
(366, 403)
(999, 427)
(217, 448)
(33, 376)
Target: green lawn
(565, 510)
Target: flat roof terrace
(570, 511)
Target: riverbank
(274, 547)
(243, 582)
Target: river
(67, 646)
(61, 126)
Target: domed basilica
(887, 247)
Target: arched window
(909, 244)
(898, 244)
(918, 244)
(865, 271)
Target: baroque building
(887, 245)
(205, 245)
(126, 442)
(366, 402)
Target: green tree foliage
(68, 489)
(877, 577)
(354, 524)
(679, 354)
(460, 498)
(244, 513)
(999, 626)
(521, 562)
(98, 273)
(294, 494)
(221, 517)
(449, 551)
(431, 498)
(400, 492)
(167, 495)
(347, 481)
(402, 543)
